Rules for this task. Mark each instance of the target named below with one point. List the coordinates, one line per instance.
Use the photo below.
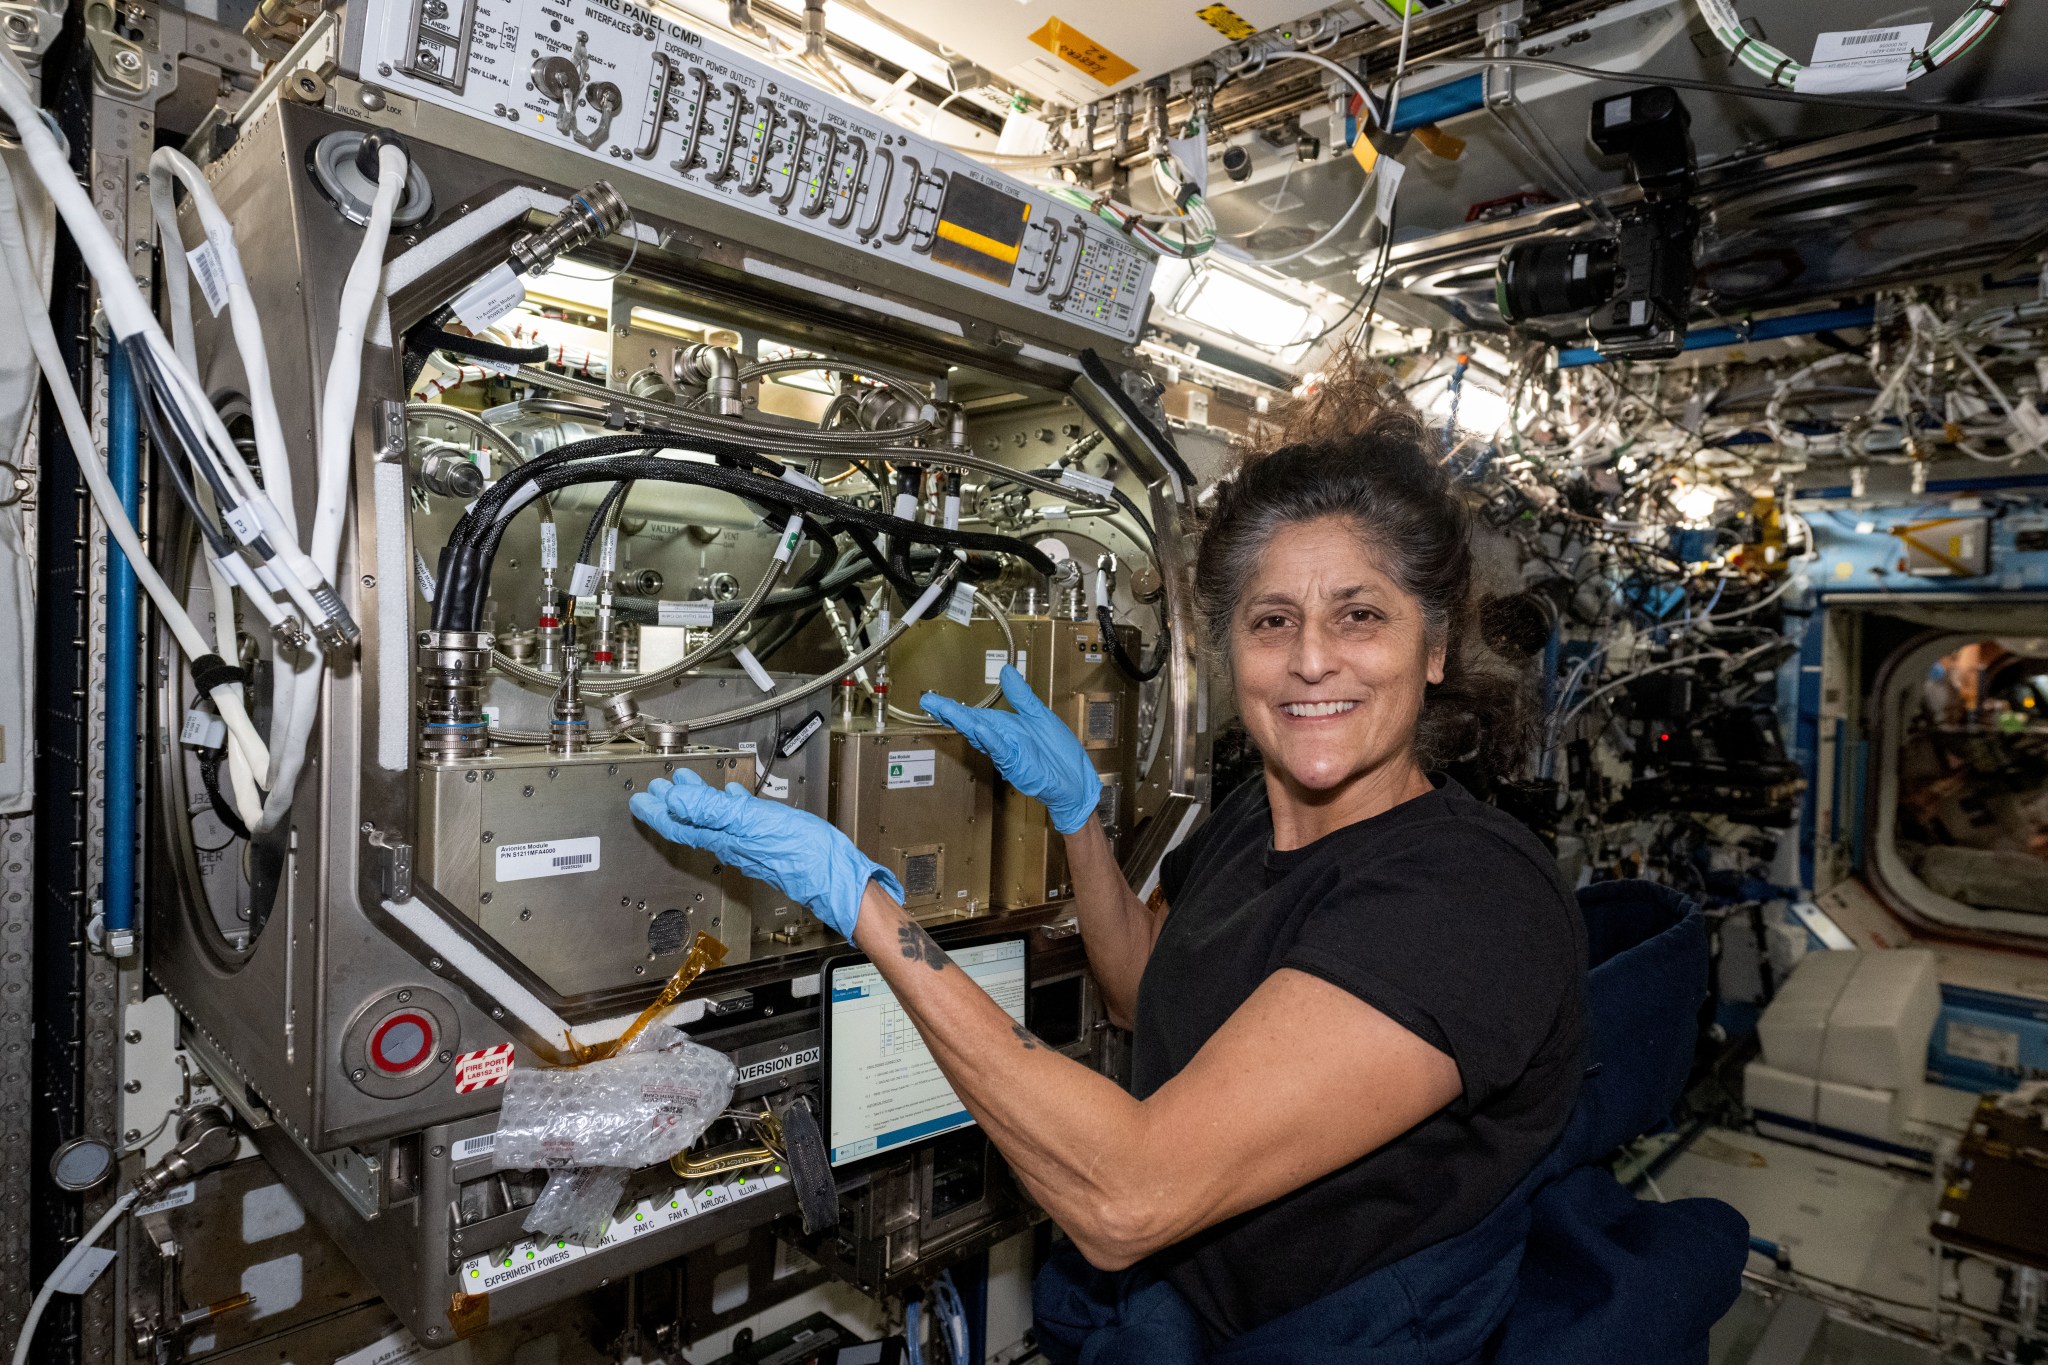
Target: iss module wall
(436, 421)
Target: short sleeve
(1464, 939)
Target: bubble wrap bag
(577, 1203)
(636, 1109)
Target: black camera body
(1636, 284)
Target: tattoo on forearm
(917, 945)
(1031, 1044)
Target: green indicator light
(639, 1217)
(673, 1204)
(559, 1244)
(743, 1180)
(474, 1274)
(778, 1170)
(529, 1255)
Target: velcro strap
(211, 671)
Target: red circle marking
(397, 1065)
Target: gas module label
(912, 768)
(628, 87)
(547, 858)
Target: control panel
(621, 83)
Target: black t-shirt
(1442, 913)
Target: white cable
(91, 461)
(345, 370)
(337, 440)
(1758, 605)
(76, 1254)
(128, 314)
(248, 326)
(271, 455)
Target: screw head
(485, 898)
(133, 1035)
(526, 790)
(127, 60)
(490, 837)
(133, 1087)
(357, 1074)
(436, 1151)
(404, 996)
(525, 915)
(469, 777)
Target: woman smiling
(1357, 1000)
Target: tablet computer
(882, 1088)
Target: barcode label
(961, 608)
(1866, 44)
(212, 277)
(547, 858)
(469, 1148)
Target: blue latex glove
(791, 850)
(1033, 749)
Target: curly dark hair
(1355, 450)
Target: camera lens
(1548, 278)
(1237, 163)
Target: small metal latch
(387, 428)
(397, 865)
(118, 59)
(1061, 928)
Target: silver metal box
(541, 852)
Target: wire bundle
(1779, 69)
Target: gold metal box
(1067, 666)
(921, 802)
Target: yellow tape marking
(1081, 52)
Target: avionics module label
(547, 858)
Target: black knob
(373, 145)
(1237, 163)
